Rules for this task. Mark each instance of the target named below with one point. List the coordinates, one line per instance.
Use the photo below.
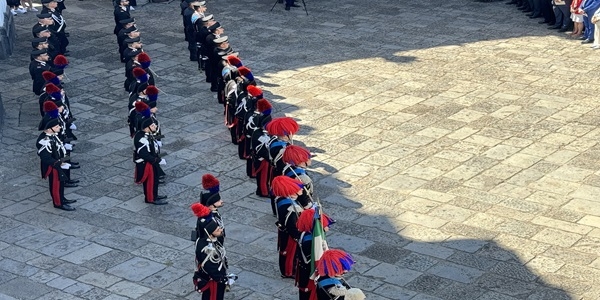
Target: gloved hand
(69, 147)
(162, 162)
(159, 143)
(73, 126)
(65, 166)
(230, 281)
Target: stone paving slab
(458, 154)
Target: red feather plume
(140, 106)
(200, 210)
(137, 72)
(60, 60)
(48, 75)
(295, 155)
(283, 126)
(263, 104)
(233, 60)
(50, 106)
(306, 220)
(244, 70)
(334, 262)
(253, 90)
(209, 181)
(284, 186)
(51, 88)
(143, 57)
(151, 90)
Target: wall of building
(7, 31)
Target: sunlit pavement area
(456, 145)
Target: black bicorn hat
(44, 15)
(38, 52)
(39, 29)
(146, 122)
(127, 21)
(221, 39)
(129, 30)
(36, 41)
(132, 40)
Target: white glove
(159, 143)
(230, 281)
(162, 162)
(73, 126)
(69, 147)
(65, 166)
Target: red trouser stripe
(149, 175)
(211, 286)
(290, 255)
(263, 173)
(55, 192)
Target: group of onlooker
(20, 6)
(580, 17)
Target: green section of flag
(319, 244)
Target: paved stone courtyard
(457, 147)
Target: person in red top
(577, 17)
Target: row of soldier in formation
(48, 61)
(144, 126)
(280, 170)
(303, 252)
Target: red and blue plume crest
(234, 60)
(210, 183)
(50, 106)
(200, 210)
(53, 114)
(54, 91)
(264, 106)
(246, 73)
(334, 262)
(51, 109)
(253, 90)
(51, 77)
(60, 61)
(152, 93)
(143, 109)
(144, 60)
(140, 74)
(284, 186)
(295, 155)
(51, 88)
(282, 126)
(140, 106)
(56, 95)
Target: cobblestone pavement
(456, 141)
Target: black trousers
(547, 11)
(64, 41)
